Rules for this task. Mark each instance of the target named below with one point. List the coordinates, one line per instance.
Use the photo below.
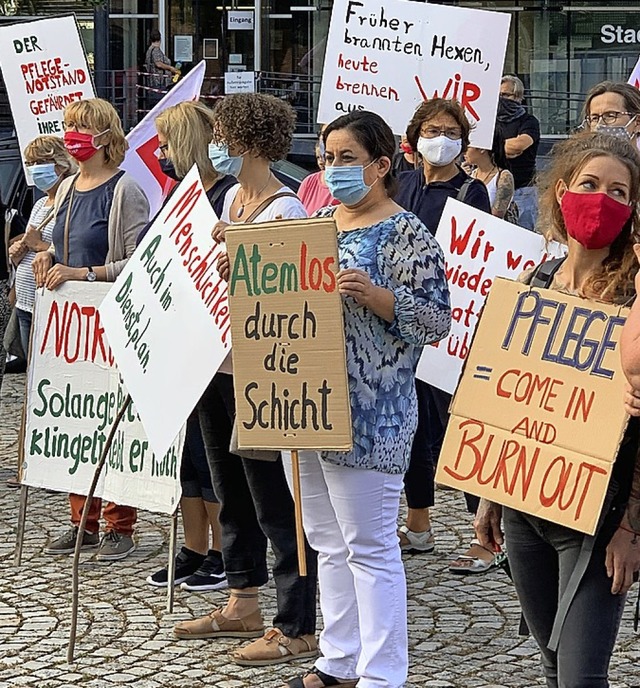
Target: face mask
(440, 151)
(594, 220)
(82, 147)
(222, 161)
(166, 165)
(44, 175)
(620, 132)
(346, 183)
(406, 148)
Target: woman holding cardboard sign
(572, 586)
(395, 300)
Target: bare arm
(504, 194)
(517, 145)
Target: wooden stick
(83, 525)
(297, 501)
(171, 573)
(22, 517)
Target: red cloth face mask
(594, 220)
(81, 146)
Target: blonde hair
(188, 129)
(99, 115)
(50, 148)
(614, 280)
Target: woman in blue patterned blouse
(395, 300)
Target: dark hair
(432, 108)
(629, 93)
(155, 36)
(373, 134)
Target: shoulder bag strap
(545, 272)
(65, 254)
(267, 202)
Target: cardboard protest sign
(44, 68)
(74, 392)
(390, 55)
(167, 316)
(289, 362)
(477, 247)
(537, 419)
(141, 158)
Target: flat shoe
(411, 541)
(327, 680)
(468, 564)
(215, 625)
(274, 648)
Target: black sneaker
(187, 563)
(66, 543)
(210, 576)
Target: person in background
(250, 132)
(439, 130)
(184, 132)
(613, 108)
(521, 131)
(98, 214)
(313, 191)
(158, 66)
(571, 586)
(406, 159)
(489, 167)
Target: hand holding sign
(217, 233)
(40, 266)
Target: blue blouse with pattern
(399, 254)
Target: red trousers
(118, 518)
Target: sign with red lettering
(537, 418)
(289, 362)
(74, 392)
(390, 55)
(477, 247)
(167, 316)
(44, 68)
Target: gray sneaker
(66, 543)
(115, 546)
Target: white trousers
(350, 518)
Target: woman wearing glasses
(613, 108)
(439, 131)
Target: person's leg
(66, 543)
(118, 541)
(5, 314)
(195, 524)
(526, 198)
(24, 324)
(77, 504)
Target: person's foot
(275, 648)
(66, 543)
(314, 678)
(477, 559)
(187, 563)
(209, 576)
(115, 546)
(216, 625)
(411, 541)
(14, 482)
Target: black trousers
(256, 506)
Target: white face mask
(439, 151)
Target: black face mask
(509, 110)
(166, 165)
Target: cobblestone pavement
(462, 631)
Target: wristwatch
(91, 275)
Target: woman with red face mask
(572, 586)
(98, 215)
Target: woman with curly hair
(250, 131)
(572, 586)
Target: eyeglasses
(163, 148)
(610, 117)
(74, 125)
(432, 133)
(507, 94)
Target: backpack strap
(267, 202)
(464, 189)
(543, 275)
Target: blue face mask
(44, 175)
(346, 183)
(222, 161)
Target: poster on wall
(289, 362)
(388, 56)
(537, 419)
(44, 68)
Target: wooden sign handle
(297, 501)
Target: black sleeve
(478, 197)
(18, 226)
(530, 126)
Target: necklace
(487, 176)
(244, 203)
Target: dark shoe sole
(219, 634)
(84, 548)
(207, 587)
(284, 659)
(115, 557)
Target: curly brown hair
(430, 109)
(255, 122)
(614, 281)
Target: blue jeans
(24, 323)
(526, 199)
(542, 556)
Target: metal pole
(101, 49)
(257, 37)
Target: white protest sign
(477, 248)
(44, 68)
(74, 392)
(167, 316)
(390, 55)
(239, 82)
(141, 159)
(634, 78)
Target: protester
(395, 300)
(572, 586)
(406, 159)
(489, 167)
(98, 214)
(313, 191)
(250, 132)
(613, 108)
(521, 131)
(48, 163)
(439, 131)
(184, 132)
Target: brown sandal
(274, 648)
